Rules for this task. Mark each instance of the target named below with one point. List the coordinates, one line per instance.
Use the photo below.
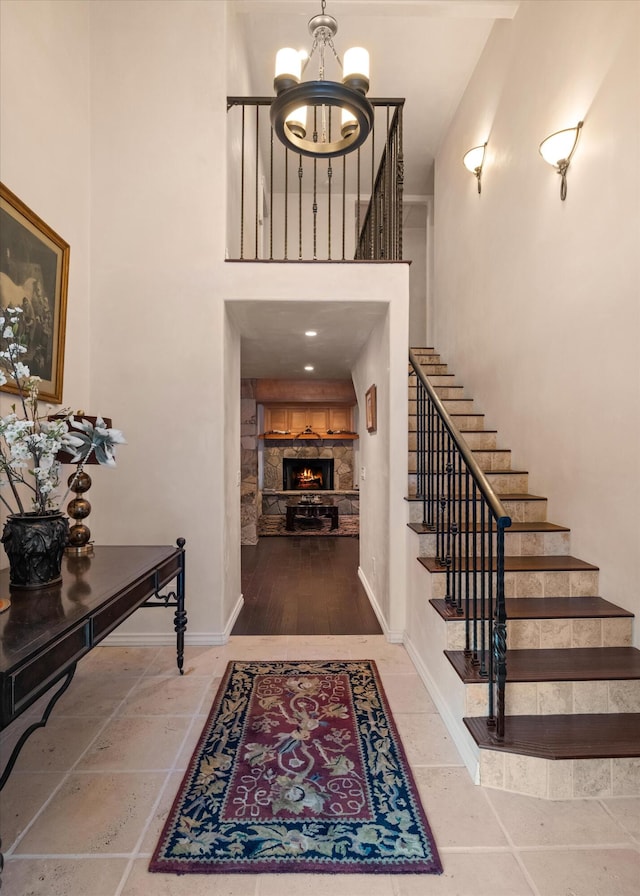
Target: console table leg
(180, 623)
(43, 721)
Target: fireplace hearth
(307, 474)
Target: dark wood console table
(298, 507)
(45, 632)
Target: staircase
(573, 679)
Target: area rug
(299, 768)
(274, 524)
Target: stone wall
(250, 497)
(340, 451)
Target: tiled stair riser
(534, 511)
(517, 544)
(541, 634)
(479, 440)
(503, 482)
(488, 461)
(580, 583)
(544, 698)
(560, 779)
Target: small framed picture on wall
(371, 410)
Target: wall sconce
(474, 160)
(558, 149)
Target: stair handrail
(497, 674)
(502, 518)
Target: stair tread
(558, 664)
(587, 736)
(512, 496)
(546, 608)
(535, 526)
(540, 563)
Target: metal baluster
(315, 209)
(500, 634)
(300, 173)
(474, 511)
(400, 181)
(242, 190)
(257, 163)
(483, 589)
(271, 194)
(469, 562)
(489, 617)
(286, 203)
(344, 203)
(430, 467)
(449, 492)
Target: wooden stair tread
(587, 736)
(534, 526)
(510, 496)
(546, 608)
(561, 664)
(549, 563)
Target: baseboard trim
(168, 639)
(392, 637)
(454, 726)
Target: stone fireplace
(340, 452)
(304, 474)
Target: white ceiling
(422, 50)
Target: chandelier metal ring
(322, 93)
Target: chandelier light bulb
(288, 69)
(355, 69)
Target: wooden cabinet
(295, 419)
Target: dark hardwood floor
(304, 586)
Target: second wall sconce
(558, 149)
(474, 160)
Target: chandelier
(301, 113)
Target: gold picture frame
(371, 409)
(34, 276)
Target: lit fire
(307, 478)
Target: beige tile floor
(84, 806)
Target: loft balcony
(283, 206)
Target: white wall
(158, 348)
(44, 149)
(383, 361)
(537, 301)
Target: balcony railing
(283, 206)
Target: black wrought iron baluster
(450, 543)
(489, 617)
(442, 500)
(500, 633)
(300, 175)
(286, 203)
(257, 163)
(430, 491)
(474, 522)
(242, 138)
(344, 203)
(483, 588)
(329, 177)
(469, 562)
(314, 209)
(271, 195)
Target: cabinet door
(299, 419)
(319, 419)
(340, 419)
(276, 419)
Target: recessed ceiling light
(308, 367)
(310, 333)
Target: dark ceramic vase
(34, 544)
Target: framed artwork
(34, 274)
(370, 408)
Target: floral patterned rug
(299, 768)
